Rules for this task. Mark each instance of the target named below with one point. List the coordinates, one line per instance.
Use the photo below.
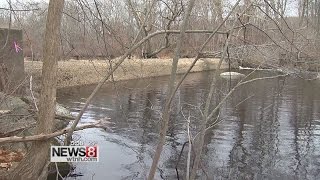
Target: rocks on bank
(17, 114)
(18, 118)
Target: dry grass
(81, 72)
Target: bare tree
(152, 25)
(34, 165)
(170, 93)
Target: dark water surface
(269, 129)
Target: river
(268, 129)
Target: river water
(268, 129)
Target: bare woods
(106, 29)
(273, 34)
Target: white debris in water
(232, 75)
(280, 70)
(245, 68)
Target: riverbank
(18, 117)
(84, 72)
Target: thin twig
(189, 149)
(32, 95)
(58, 172)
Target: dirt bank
(82, 72)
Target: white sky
(292, 5)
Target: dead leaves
(8, 156)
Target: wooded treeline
(244, 32)
(106, 29)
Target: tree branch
(42, 137)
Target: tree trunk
(170, 91)
(147, 49)
(218, 9)
(318, 19)
(199, 141)
(34, 165)
(303, 12)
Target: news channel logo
(76, 152)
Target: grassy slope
(81, 72)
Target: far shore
(84, 72)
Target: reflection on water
(268, 130)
